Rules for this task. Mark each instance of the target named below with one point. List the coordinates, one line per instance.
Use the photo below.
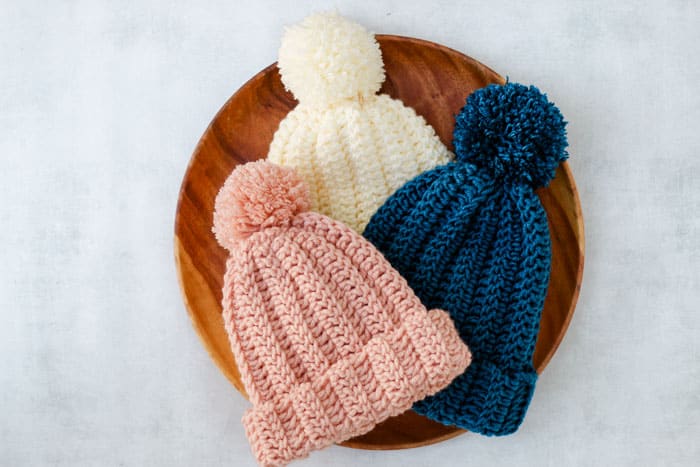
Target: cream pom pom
(255, 196)
(326, 59)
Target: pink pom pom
(255, 196)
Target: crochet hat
(328, 338)
(353, 147)
(471, 237)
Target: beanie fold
(487, 399)
(416, 358)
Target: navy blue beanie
(471, 237)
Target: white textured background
(101, 105)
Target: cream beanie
(353, 147)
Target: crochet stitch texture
(352, 146)
(471, 237)
(328, 338)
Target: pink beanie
(328, 337)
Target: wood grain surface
(435, 81)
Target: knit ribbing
(342, 402)
(402, 202)
(354, 155)
(300, 142)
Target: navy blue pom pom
(512, 130)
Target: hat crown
(318, 300)
(513, 131)
(326, 59)
(355, 155)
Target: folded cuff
(486, 399)
(393, 370)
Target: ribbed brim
(417, 358)
(485, 399)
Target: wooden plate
(435, 81)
